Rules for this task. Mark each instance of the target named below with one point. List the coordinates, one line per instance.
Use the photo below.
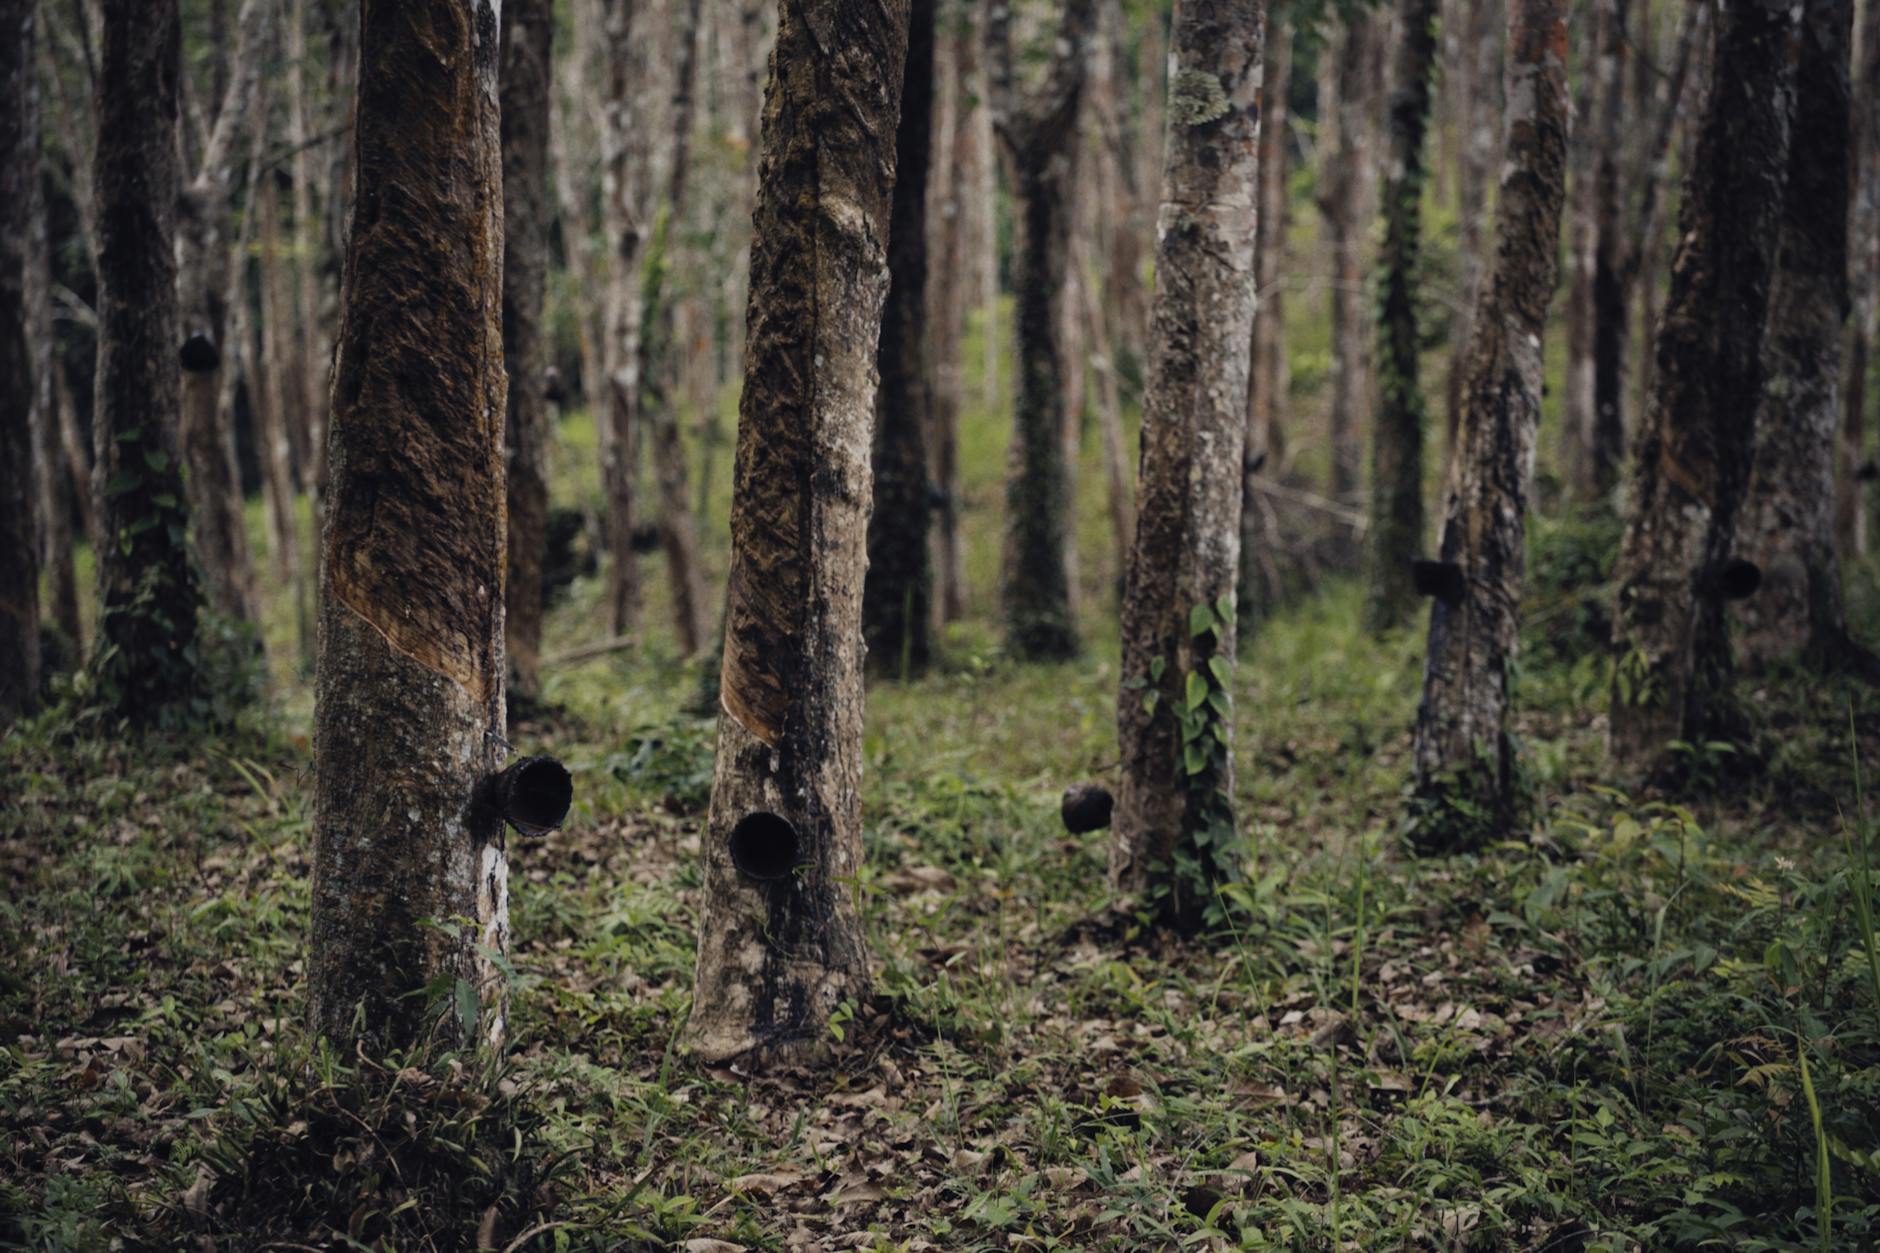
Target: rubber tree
(624, 164)
(780, 939)
(1678, 561)
(410, 874)
(1395, 536)
(146, 661)
(207, 290)
(1467, 785)
(1787, 527)
(1037, 137)
(1346, 187)
(1173, 835)
(528, 33)
(19, 530)
(897, 600)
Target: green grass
(1585, 1039)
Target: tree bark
(658, 365)
(410, 878)
(1396, 531)
(1672, 680)
(1036, 141)
(780, 940)
(1467, 787)
(897, 601)
(1173, 838)
(1606, 445)
(1478, 118)
(1787, 527)
(19, 205)
(528, 30)
(54, 485)
(273, 403)
(1347, 181)
(206, 288)
(1576, 409)
(621, 226)
(1851, 520)
(149, 592)
(949, 280)
(1266, 376)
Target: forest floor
(1586, 1038)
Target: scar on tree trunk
(780, 943)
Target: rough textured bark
(205, 292)
(19, 202)
(528, 31)
(1346, 182)
(621, 227)
(1694, 451)
(659, 363)
(780, 941)
(1851, 521)
(897, 602)
(1463, 749)
(408, 719)
(1175, 806)
(1037, 136)
(1396, 529)
(1787, 527)
(949, 279)
(150, 595)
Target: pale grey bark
(1176, 800)
(19, 204)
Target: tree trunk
(1467, 785)
(1606, 446)
(528, 28)
(1037, 138)
(204, 294)
(780, 941)
(1673, 680)
(1266, 375)
(658, 405)
(949, 280)
(411, 600)
(54, 485)
(310, 362)
(1851, 521)
(19, 321)
(1576, 409)
(1787, 527)
(1346, 180)
(621, 354)
(1478, 123)
(897, 603)
(274, 418)
(1174, 837)
(1395, 536)
(146, 662)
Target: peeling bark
(1395, 536)
(1037, 136)
(1673, 677)
(528, 30)
(19, 369)
(897, 601)
(410, 879)
(1787, 527)
(149, 589)
(780, 941)
(1187, 544)
(1462, 739)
